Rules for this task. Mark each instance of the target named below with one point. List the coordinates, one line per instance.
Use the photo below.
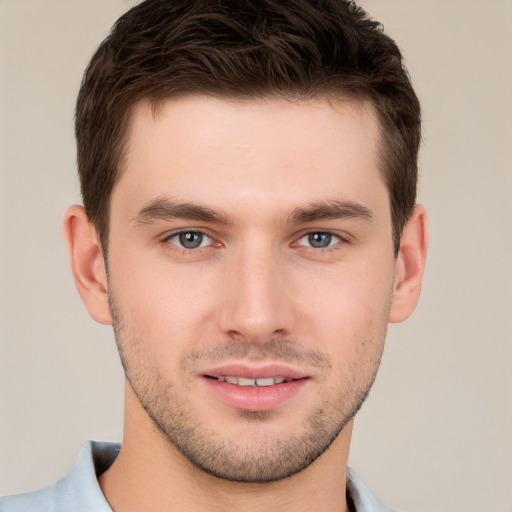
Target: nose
(257, 303)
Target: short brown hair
(244, 48)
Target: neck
(150, 473)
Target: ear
(409, 266)
(87, 263)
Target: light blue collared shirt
(79, 491)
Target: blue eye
(319, 239)
(190, 239)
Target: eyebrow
(166, 209)
(331, 210)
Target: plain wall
(436, 432)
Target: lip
(255, 399)
(256, 372)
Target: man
(248, 171)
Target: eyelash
(339, 240)
(330, 247)
(168, 240)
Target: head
(250, 167)
(242, 49)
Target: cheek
(346, 313)
(348, 296)
(162, 305)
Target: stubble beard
(254, 461)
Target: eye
(319, 239)
(190, 239)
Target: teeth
(242, 381)
(265, 382)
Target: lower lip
(249, 398)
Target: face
(250, 276)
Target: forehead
(214, 150)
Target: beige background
(436, 433)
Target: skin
(265, 183)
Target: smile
(247, 388)
(243, 381)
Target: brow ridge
(166, 209)
(331, 210)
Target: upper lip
(255, 372)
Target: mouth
(246, 382)
(255, 388)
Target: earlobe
(409, 266)
(87, 263)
